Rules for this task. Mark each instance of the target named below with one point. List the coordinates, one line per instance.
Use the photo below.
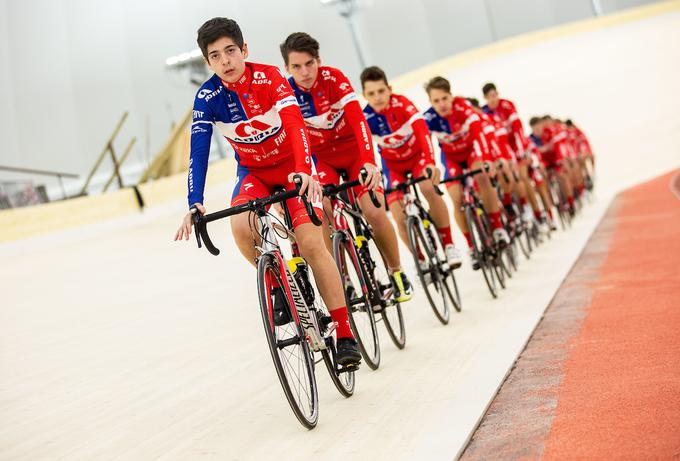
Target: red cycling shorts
(395, 173)
(255, 183)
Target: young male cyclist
(504, 111)
(405, 145)
(458, 129)
(255, 109)
(340, 140)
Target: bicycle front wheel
(375, 269)
(428, 265)
(361, 316)
(289, 349)
(479, 237)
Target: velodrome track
(118, 343)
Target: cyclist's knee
(310, 241)
(240, 229)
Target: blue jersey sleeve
(201, 134)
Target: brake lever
(371, 194)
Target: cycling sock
(537, 215)
(468, 238)
(507, 199)
(523, 201)
(341, 318)
(550, 215)
(570, 199)
(445, 235)
(495, 220)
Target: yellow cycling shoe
(402, 286)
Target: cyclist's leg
(327, 175)
(248, 187)
(396, 206)
(525, 178)
(385, 236)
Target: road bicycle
(309, 337)
(436, 277)
(366, 278)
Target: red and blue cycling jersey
(333, 116)
(400, 131)
(460, 134)
(258, 115)
(506, 113)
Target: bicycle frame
(303, 313)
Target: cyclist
(254, 108)
(458, 128)
(504, 111)
(340, 141)
(405, 145)
(582, 143)
(554, 152)
(497, 137)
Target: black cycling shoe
(281, 312)
(347, 352)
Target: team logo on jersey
(208, 94)
(247, 185)
(258, 75)
(393, 141)
(344, 86)
(325, 73)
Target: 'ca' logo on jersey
(253, 131)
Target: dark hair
(301, 42)
(216, 28)
(569, 122)
(546, 117)
(474, 102)
(438, 83)
(372, 74)
(488, 87)
(534, 121)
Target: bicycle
(310, 331)
(368, 289)
(559, 199)
(436, 277)
(485, 251)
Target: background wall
(70, 68)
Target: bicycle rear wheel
(375, 268)
(357, 296)
(289, 349)
(429, 273)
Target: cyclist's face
(226, 59)
(303, 67)
(492, 99)
(441, 101)
(377, 93)
(537, 129)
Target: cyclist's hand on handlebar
(309, 185)
(435, 174)
(184, 230)
(373, 178)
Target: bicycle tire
(268, 273)
(478, 236)
(359, 308)
(374, 266)
(417, 241)
(447, 275)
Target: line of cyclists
(309, 134)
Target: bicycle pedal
(348, 368)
